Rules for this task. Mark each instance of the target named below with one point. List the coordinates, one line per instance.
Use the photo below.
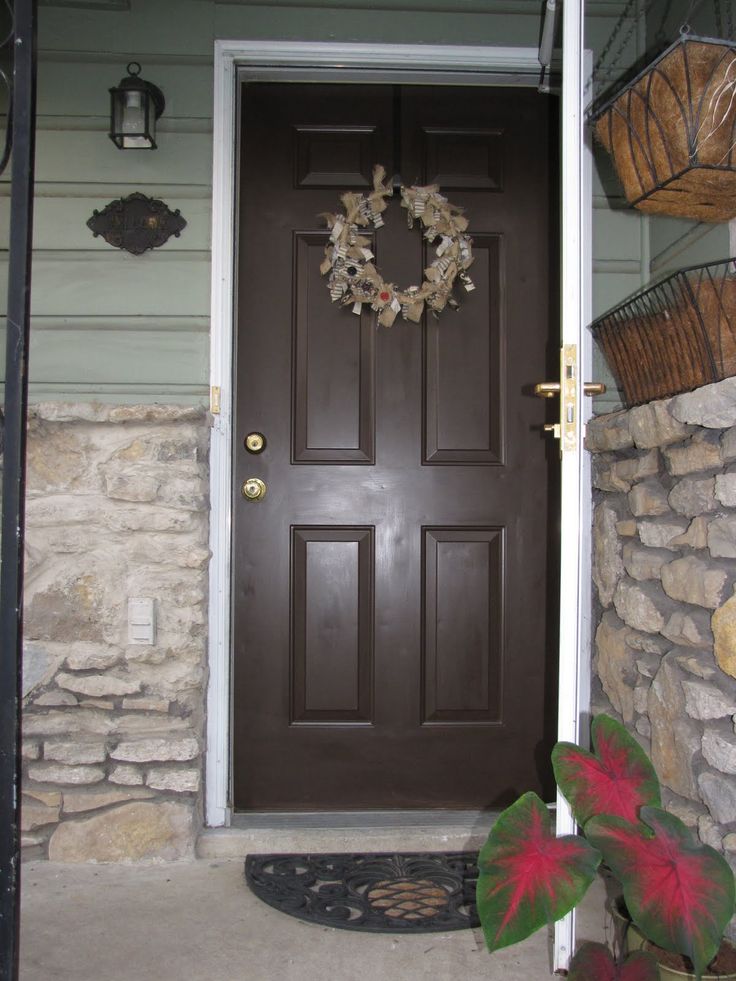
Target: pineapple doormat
(417, 892)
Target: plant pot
(629, 938)
(670, 132)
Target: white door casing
(427, 64)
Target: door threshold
(473, 820)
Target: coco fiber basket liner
(674, 336)
(672, 132)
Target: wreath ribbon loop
(355, 280)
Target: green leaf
(528, 877)
(617, 779)
(678, 892)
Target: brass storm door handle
(566, 388)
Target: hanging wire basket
(674, 336)
(672, 131)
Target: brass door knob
(255, 442)
(547, 390)
(253, 489)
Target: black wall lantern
(135, 105)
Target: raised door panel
(333, 376)
(334, 156)
(331, 625)
(468, 159)
(463, 625)
(464, 386)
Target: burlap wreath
(353, 278)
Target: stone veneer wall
(113, 732)
(664, 564)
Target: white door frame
(438, 64)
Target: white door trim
(503, 65)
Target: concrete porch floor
(198, 920)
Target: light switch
(141, 620)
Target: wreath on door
(354, 279)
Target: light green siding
(115, 327)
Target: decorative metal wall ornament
(354, 280)
(423, 892)
(136, 223)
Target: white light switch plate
(141, 620)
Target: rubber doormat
(416, 892)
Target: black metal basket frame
(671, 293)
(647, 151)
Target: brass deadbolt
(255, 442)
(253, 489)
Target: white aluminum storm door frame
(436, 64)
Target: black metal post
(13, 483)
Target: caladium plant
(679, 893)
(596, 961)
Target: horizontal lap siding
(112, 327)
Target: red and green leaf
(528, 877)
(594, 961)
(618, 779)
(678, 892)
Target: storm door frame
(236, 61)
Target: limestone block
(693, 496)
(128, 776)
(152, 518)
(607, 564)
(78, 801)
(688, 811)
(728, 445)
(641, 697)
(653, 425)
(35, 814)
(642, 606)
(626, 528)
(644, 727)
(57, 459)
(98, 684)
(51, 798)
(139, 726)
(57, 723)
(181, 781)
(723, 623)
(609, 432)
(93, 657)
(660, 532)
(68, 609)
(721, 537)
(156, 750)
(725, 489)
(706, 701)
(689, 626)
(712, 406)
(696, 535)
(144, 704)
(647, 667)
(63, 751)
(719, 796)
(98, 703)
(59, 773)
(702, 452)
(701, 664)
(132, 832)
(605, 477)
(643, 464)
(675, 738)
(708, 832)
(616, 664)
(719, 749)
(131, 486)
(691, 580)
(190, 495)
(30, 750)
(55, 699)
(651, 644)
(171, 678)
(643, 563)
(648, 498)
(39, 666)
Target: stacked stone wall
(113, 731)
(664, 567)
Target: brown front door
(394, 646)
